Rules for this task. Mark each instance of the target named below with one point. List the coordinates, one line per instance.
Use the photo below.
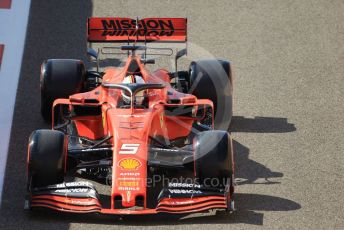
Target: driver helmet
(139, 97)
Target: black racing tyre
(214, 164)
(47, 151)
(60, 78)
(212, 79)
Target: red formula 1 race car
(129, 141)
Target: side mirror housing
(181, 53)
(91, 52)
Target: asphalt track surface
(288, 125)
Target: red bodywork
(127, 29)
(130, 129)
(131, 126)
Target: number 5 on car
(129, 148)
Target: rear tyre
(212, 79)
(60, 78)
(46, 158)
(214, 159)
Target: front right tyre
(213, 159)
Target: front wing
(82, 197)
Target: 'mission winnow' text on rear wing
(142, 30)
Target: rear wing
(137, 30)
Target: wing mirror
(181, 53)
(91, 52)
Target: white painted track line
(12, 34)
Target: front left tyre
(47, 151)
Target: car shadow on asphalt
(261, 125)
(248, 171)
